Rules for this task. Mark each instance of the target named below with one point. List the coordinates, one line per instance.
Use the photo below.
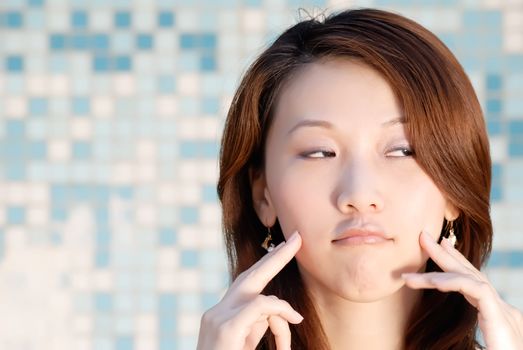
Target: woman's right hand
(241, 318)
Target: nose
(359, 189)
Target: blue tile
(57, 41)
(38, 106)
(497, 170)
(167, 303)
(494, 106)
(103, 237)
(35, 19)
(496, 193)
(515, 149)
(494, 82)
(122, 19)
(100, 42)
(189, 215)
(36, 3)
(15, 129)
(515, 127)
(144, 41)
(209, 194)
(482, 19)
(80, 41)
(38, 150)
(167, 343)
(59, 193)
(124, 343)
(167, 236)
(58, 213)
(101, 63)
(166, 19)
(102, 258)
(103, 302)
(495, 127)
(14, 63)
(189, 61)
(515, 259)
(101, 194)
(188, 41)
(189, 258)
(208, 300)
(15, 171)
(208, 63)
(102, 215)
(168, 323)
(208, 41)
(81, 105)
(79, 19)
(126, 192)
(15, 215)
(122, 63)
(14, 19)
(166, 84)
(14, 149)
(81, 192)
(82, 150)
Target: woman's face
(338, 162)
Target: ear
(451, 212)
(261, 198)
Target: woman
(359, 141)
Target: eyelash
(408, 152)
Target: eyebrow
(328, 125)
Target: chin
(369, 288)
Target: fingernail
(299, 317)
(428, 236)
(293, 237)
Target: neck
(372, 325)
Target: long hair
(444, 123)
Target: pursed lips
(361, 234)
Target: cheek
(299, 202)
(423, 206)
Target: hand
(500, 323)
(241, 318)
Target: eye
(318, 154)
(400, 152)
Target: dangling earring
(452, 237)
(267, 245)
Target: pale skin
(337, 155)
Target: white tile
(124, 85)
(59, 150)
(498, 148)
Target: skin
(357, 168)
(320, 179)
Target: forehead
(336, 90)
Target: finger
(456, 254)
(259, 309)
(254, 280)
(440, 255)
(256, 333)
(282, 333)
(478, 293)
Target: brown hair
(445, 126)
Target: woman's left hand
(500, 323)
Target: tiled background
(110, 116)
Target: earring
(452, 237)
(267, 245)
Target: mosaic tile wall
(110, 116)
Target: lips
(361, 234)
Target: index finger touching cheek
(254, 280)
